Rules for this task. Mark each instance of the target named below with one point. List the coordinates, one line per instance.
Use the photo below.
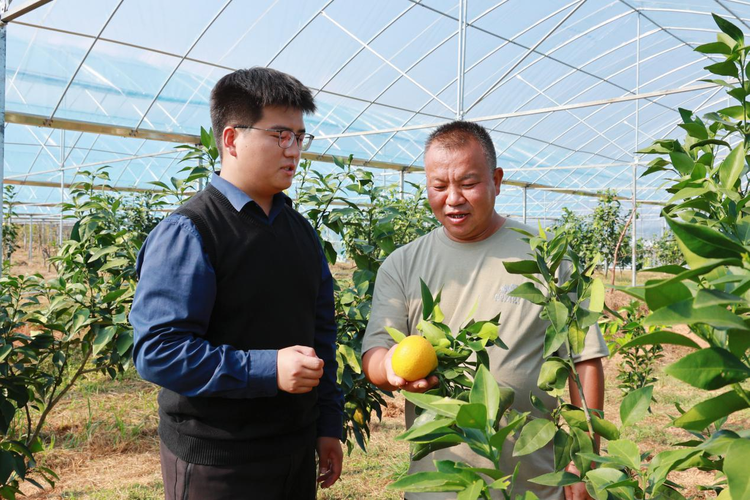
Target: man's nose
(455, 197)
(294, 150)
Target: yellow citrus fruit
(359, 416)
(414, 358)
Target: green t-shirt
(472, 275)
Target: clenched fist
(298, 369)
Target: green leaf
(81, 318)
(576, 337)
(534, 435)
(684, 313)
(427, 302)
(635, 405)
(736, 468)
(441, 405)
(713, 48)
(705, 241)
(711, 142)
(626, 451)
(716, 297)
(575, 418)
(486, 392)
(704, 414)
(603, 481)
(605, 428)
(7, 465)
(709, 369)
(667, 461)
(730, 29)
(688, 192)
(557, 313)
(429, 481)
(719, 442)
(395, 334)
(666, 294)
(553, 374)
(596, 303)
(529, 292)
(498, 439)
(682, 161)
(553, 340)
(560, 478)
(116, 294)
(697, 130)
(582, 444)
(103, 337)
(661, 337)
(124, 342)
(432, 333)
(522, 267)
(724, 68)
(102, 251)
(472, 416)
(421, 450)
(4, 351)
(473, 492)
(562, 443)
(120, 262)
(350, 355)
(732, 166)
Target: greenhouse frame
(570, 90)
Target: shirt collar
(238, 198)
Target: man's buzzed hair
(456, 134)
(239, 97)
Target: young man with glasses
(233, 315)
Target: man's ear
(228, 140)
(497, 178)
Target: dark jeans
(280, 478)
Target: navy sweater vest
(267, 279)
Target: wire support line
(88, 165)
(182, 60)
(527, 54)
(389, 63)
(744, 23)
(83, 60)
(602, 102)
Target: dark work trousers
(291, 477)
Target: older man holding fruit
(465, 259)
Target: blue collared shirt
(172, 308)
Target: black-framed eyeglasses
(287, 137)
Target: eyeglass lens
(287, 137)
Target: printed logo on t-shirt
(503, 294)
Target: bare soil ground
(105, 445)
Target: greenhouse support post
(31, 238)
(634, 239)
(62, 186)
(524, 204)
(461, 58)
(3, 35)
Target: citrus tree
(10, 228)
(346, 207)
(56, 331)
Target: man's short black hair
(457, 134)
(239, 97)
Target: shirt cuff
(262, 376)
(331, 425)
